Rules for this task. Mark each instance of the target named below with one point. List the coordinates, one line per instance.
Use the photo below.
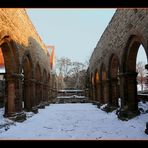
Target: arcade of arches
(112, 66)
(27, 76)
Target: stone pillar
(10, 98)
(123, 90)
(96, 92)
(27, 94)
(106, 88)
(114, 92)
(132, 91)
(99, 91)
(128, 95)
(93, 93)
(13, 108)
(32, 93)
(41, 92)
(18, 91)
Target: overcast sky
(73, 32)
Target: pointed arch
(129, 82)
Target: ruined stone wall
(114, 59)
(124, 23)
(16, 23)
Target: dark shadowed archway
(27, 70)
(114, 80)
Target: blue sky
(73, 32)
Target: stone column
(40, 91)
(106, 86)
(96, 92)
(32, 92)
(27, 94)
(128, 95)
(18, 91)
(13, 108)
(10, 97)
(99, 91)
(93, 93)
(132, 91)
(114, 92)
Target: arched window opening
(141, 61)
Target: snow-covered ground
(77, 121)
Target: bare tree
(141, 78)
(73, 72)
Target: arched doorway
(114, 80)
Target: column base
(18, 117)
(126, 115)
(35, 110)
(41, 106)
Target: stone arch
(129, 75)
(11, 62)
(103, 80)
(114, 79)
(96, 84)
(27, 71)
(38, 78)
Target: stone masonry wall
(18, 25)
(124, 23)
